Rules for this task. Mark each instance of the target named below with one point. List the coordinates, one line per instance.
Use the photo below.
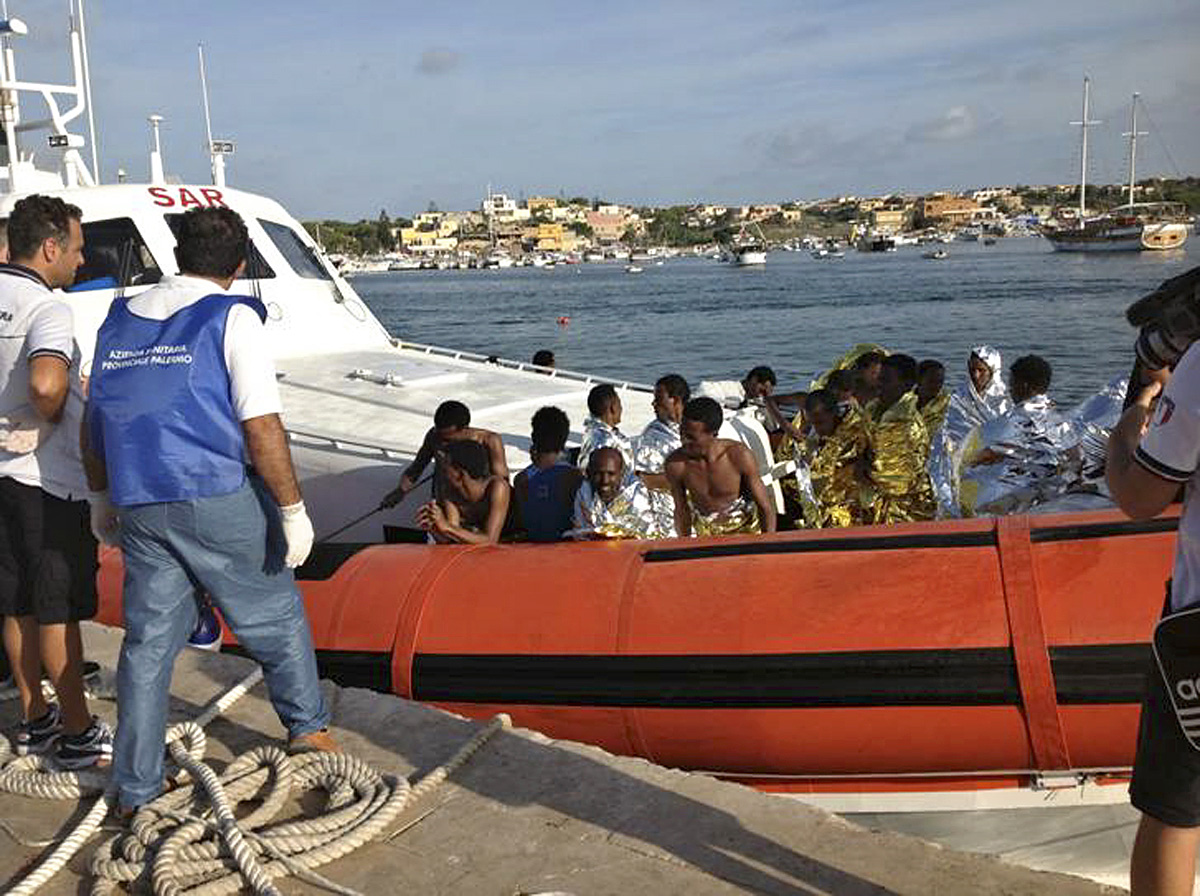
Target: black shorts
(1166, 771)
(47, 556)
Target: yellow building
(536, 204)
(888, 220)
(430, 230)
(552, 237)
(941, 207)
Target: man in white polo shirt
(47, 553)
(185, 440)
(1150, 455)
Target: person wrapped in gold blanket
(899, 447)
(834, 461)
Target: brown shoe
(315, 740)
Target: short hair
(600, 398)
(904, 365)
(543, 357)
(675, 386)
(605, 451)
(550, 429)
(211, 241)
(821, 398)
(840, 381)
(452, 415)
(763, 374)
(930, 364)
(866, 359)
(36, 219)
(705, 410)
(1033, 370)
(469, 456)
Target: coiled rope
(189, 839)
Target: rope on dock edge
(188, 838)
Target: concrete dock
(528, 815)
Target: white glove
(106, 524)
(297, 533)
(22, 433)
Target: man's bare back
(433, 443)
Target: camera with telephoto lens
(1169, 319)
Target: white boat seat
(745, 427)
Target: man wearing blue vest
(182, 401)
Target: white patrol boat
(357, 401)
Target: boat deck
(530, 815)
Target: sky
(341, 110)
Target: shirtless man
(715, 482)
(451, 423)
(476, 504)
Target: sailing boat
(1130, 227)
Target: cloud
(957, 123)
(804, 145)
(438, 61)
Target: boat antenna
(217, 149)
(87, 93)
(1084, 123)
(156, 162)
(1133, 133)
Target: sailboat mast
(1133, 134)
(1083, 124)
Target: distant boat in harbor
(749, 247)
(936, 254)
(1131, 227)
(876, 243)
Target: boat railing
(343, 444)
(522, 366)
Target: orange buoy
(563, 321)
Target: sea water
(708, 320)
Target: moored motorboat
(336, 363)
(747, 248)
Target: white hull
(748, 257)
(1152, 236)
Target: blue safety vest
(159, 406)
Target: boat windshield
(114, 255)
(295, 251)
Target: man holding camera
(1152, 452)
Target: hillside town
(543, 230)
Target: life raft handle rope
(383, 505)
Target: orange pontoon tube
(929, 655)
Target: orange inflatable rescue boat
(930, 656)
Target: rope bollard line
(188, 839)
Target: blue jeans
(231, 546)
